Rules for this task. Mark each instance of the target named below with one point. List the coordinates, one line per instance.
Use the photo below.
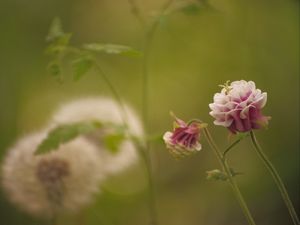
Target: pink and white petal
(251, 85)
(261, 101)
(245, 112)
(167, 137)
(218, 115)
(225, 123)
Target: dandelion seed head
(60, 181)
(106, 111)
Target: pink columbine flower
(184, 140)
(238, 107)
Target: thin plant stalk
(142, 151)
(114, 92)
(145, 102)
(230, 177)
(276, 178)
(230, 147)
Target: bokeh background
(191, 54)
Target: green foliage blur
(194, 50)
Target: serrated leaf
(54, 69)
(112, 49)
(54, 49)
(81, 66)
(55, 30)
(65, 133)
(59, 45)
(113, 141)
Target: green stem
(142, 151)
(276, 178)
(115, 94)
(231, 146)
(145, 104)
(231, 180)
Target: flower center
(226, 86)
(51, 172)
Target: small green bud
(216, 175)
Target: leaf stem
(114, 92)
(276, 178)
(231, 146)
(231, 180)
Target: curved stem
(116, 95)
(276, 178)
(231, 146)
(231, 180)
(194, 121)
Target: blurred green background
(191, 54)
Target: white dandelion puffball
(104, 110)
(60, 181)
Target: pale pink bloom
(184, 140)
(238, 107)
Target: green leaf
(113, 141)
(65, 133)
(59, 45)
(112, 49)
(58, 39)
(55, 30)
(81, 66)
(54, 68)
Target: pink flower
(238, 107)
(184, 140)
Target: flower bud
(216, 175)
(184, 140)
